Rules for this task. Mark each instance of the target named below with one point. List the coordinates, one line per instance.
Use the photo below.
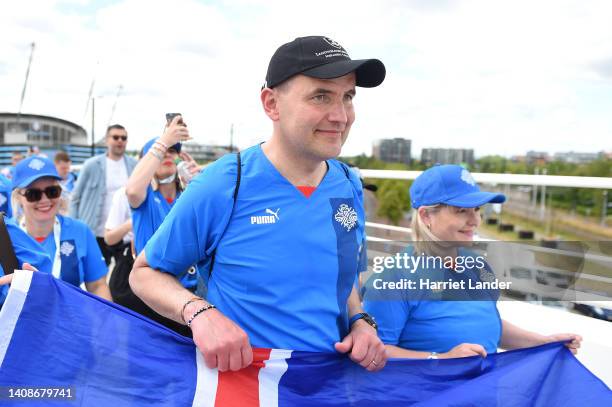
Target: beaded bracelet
(160, 148)
(198, 312)
(156, 154)
(161, 143)
(194, 299)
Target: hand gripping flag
(56, 336)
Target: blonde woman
(446, 202)
(69, 243)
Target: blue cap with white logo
(31, 169)
(451, 185)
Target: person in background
(446, 203)
(69, 243)
(100, 177)
(35, 150)
(9, 171)
(118, 233)
(118, 228)
(152, 190)
(62, 165)
(6, 187)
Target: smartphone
(170, 116)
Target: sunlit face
(44, 210)
(167, 167)
(63, 168)
(453, 224)
(116, 141)
(16, 158)
(315, 115)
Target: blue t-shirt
(27, 250)
(68, 183)
(422, 320)
(286, 264)
(6, 188)
(9, 172)
(82, 260)
(147, 218)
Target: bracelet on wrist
(198, 312)
(161, 143)
(156, 154)
(194, 299)
(160, 148)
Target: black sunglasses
(35, 194)
(117, 138)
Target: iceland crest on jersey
(346, 216)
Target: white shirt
(116, 177)
(120, 213)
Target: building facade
(204, 152)
(395, 150)
(574, 157)
(49, 134)
(431, 156)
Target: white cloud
(501, 77)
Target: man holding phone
(100, 177)
(281, 226)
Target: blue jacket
(90, 190)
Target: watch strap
(356, 317)
(366, 317)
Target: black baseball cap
(322, 58)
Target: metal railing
(506, 179)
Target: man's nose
(338, 113)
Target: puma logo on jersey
(271, 212)
(270, 217)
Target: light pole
(604, 208)
(543, 197)
(93, 126)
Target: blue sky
(497, 76)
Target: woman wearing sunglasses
(444, 322)
(69, 243)
(152, 190)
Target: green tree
(391, 206)
(393, 199)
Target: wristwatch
(366, 317)
(433, 355)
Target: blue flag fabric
(54, 335)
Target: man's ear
(269, 101)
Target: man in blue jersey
(284, 252)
